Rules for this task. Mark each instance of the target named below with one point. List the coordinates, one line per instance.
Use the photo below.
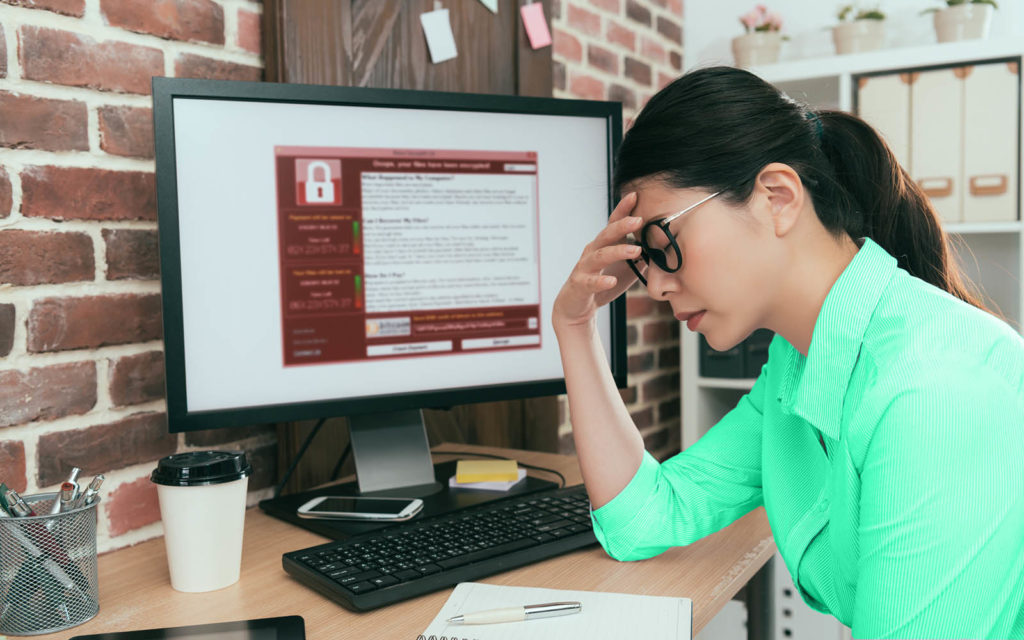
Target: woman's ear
(780, 188)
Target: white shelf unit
(992, 255)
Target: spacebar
(501, 549)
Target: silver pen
(518, 614)
(89, 495)
(32, 550)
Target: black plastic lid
(196, 468)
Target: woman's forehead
(655, 199)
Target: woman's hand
(601, 275)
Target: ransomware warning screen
(406, 252)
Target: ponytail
(887, 205)
(716, 128)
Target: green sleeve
(697, 492)
(941, 531)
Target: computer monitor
(338, 251)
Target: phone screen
(360, 505)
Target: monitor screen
(330, 251)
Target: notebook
(604, 615)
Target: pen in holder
(48, 576)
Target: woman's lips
(691, 319)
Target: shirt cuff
(620, 511)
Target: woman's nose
(659, 283)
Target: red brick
(216, 437)
(638, 306)
(652, 51)
(47, 393)
(643, 418)
(192, 66)
(41, 123)
(641, 362)
(3, 53)
(602, 59)
(131, 506)
(623, 94)
(6, 195)
(671, 29)
(137, 378)
(45, 257)
(668, 410)
(614, 6)
(12, 461)
(656, 439)
(659, 330)
(664, 80)
(585, 86)
(660, 386)
(565, 45)
(637, 71)
(69, 193)
(250, 32)
(620, 35)
(668, 358)
(632, 335)
(63, 57)
(67, 7)
(58, 324)
(675, 59)
(126, 131)
(584, 21)
(132, 254)
(628, 395)
(7, 314)
(98, 449)
(191, 20)
(638, 12)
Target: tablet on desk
(284, 628)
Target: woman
(885, 436)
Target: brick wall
(626, 50)
(81, 362)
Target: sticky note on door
(536, 26)
(486, 470)
(438, 30)
(491, 4)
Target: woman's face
(730, 265)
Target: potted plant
(859, 30)
(963, 19)
(763, 38)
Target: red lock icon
(317, 181)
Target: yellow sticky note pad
(486, 470)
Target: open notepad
(604, 615)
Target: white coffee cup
(202, 505)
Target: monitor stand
(392, 458)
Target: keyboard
(413, 558)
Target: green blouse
(889, 460)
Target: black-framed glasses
(658, 245)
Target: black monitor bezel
(165, 90)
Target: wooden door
(380, 43)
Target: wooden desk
(135, 589)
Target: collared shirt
(889, 461)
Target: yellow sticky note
(486, 470)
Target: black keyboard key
(550, 526)
(476, 556)
(360, 587)
(384, 581)
(428, 568)
(408, 574)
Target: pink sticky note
(536, 26)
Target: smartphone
(351, 508)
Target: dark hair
(716, 128)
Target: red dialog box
(317, 181)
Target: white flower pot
(758, 47)
(963, 22)
(859, 35)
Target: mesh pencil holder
(48, 577)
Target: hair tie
(819, 128)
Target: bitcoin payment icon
(317, 181)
